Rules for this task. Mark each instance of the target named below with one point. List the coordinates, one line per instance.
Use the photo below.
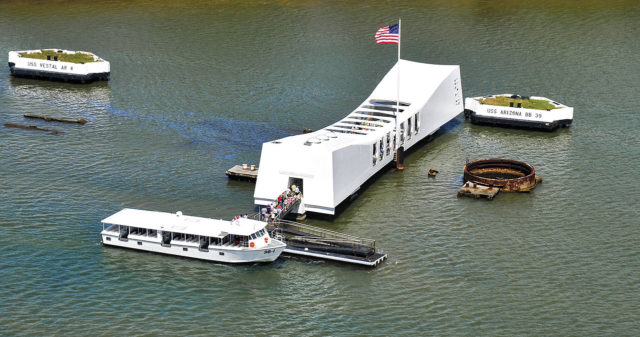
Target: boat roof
(176, 222)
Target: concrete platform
(243, 172)
(476, 191)
(314, 242)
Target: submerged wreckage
(486, 177)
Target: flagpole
(398, 84)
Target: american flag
(388, 34)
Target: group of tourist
(245, 216)
(282, 204)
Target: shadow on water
(70, 95)
(120, 259)
(228, 136)
(229, 133)
(446, 128)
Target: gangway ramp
(285, 203)
(320, 243)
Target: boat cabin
(176, 229)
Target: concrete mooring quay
(243, 172)
(477, 191)
(320, 243)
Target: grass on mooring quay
(77, 57)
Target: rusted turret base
(506, 174)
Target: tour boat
(59, 64)
(532, 112)
(412, 102)
(241, 240)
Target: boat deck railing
(323, 235)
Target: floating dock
(314, 242)
(243, 172)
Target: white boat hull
(226, 254)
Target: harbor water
(197, 86)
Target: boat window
(124, 232)
(204, 243)
(409, 128)
(417, 123)
(253, 236)
(381, 148)
(166, 238)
